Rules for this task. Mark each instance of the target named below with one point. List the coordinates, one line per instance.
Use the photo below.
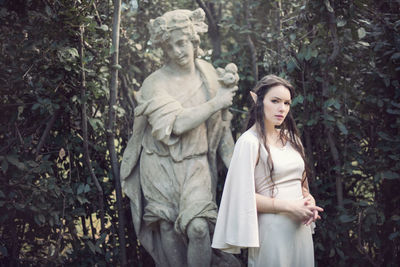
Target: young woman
(266, 205)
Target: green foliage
(49, 203)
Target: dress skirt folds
(275, 240)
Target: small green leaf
(297, 99)
(86, 189)
(80, 189)
(73, 52)
(395, 217)
(340, 22)
(342, 128)
(328, 117)
(308, 54)
(91, 247)
(361, 33)
(116, 66)
(390, 175)
(82, 199)
(395, 56)
(41, 218)
(364, 43)
(394, 235)
(347, 218)
(14, 161)
(103, 27)
(331, 102)
(3, 251)
(328, 6)
(4, 166)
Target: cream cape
(237, 225)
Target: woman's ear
(253, 96)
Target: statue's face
(179, 48)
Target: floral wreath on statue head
(190, 22)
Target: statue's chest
(189, 92)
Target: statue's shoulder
(205, 65)
(157, 78)
(209, 72)
(153, 84)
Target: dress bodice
(286, 175)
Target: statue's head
(189, 23)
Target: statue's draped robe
(187, 162)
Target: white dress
(274, 240)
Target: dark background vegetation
(59, 142)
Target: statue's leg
(199, 247)
(173, 245)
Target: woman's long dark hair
(288, 132)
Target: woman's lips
(279, 117)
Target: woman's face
(276, 105)
(179, 48)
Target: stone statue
(169, 167)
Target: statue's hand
(225, 96)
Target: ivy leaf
(103, 27)
(328, 6)
(395, 217)
(342, 128)
(86, 189)
(340, 22)
(345, 218)
(80, 189)
(73, 52)
(361, 33)
(298, 99)
(394, 235)
(390, 175)
(14, 161)
(91, 247)
(41, 218)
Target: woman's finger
(315, 215)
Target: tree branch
(110, 129)
(208, 12)
(335, 39)
(126, 92)
(213, 30)
(85, 134)
(325, 93)
(253, 52)
(46, 132)
(359, 239)
(97, 16)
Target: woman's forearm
(271, 205)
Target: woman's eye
(274, 101)
(287, 103)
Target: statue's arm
(186, 118)
(192, 117)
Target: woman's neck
(270, 129)
(272, 134)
